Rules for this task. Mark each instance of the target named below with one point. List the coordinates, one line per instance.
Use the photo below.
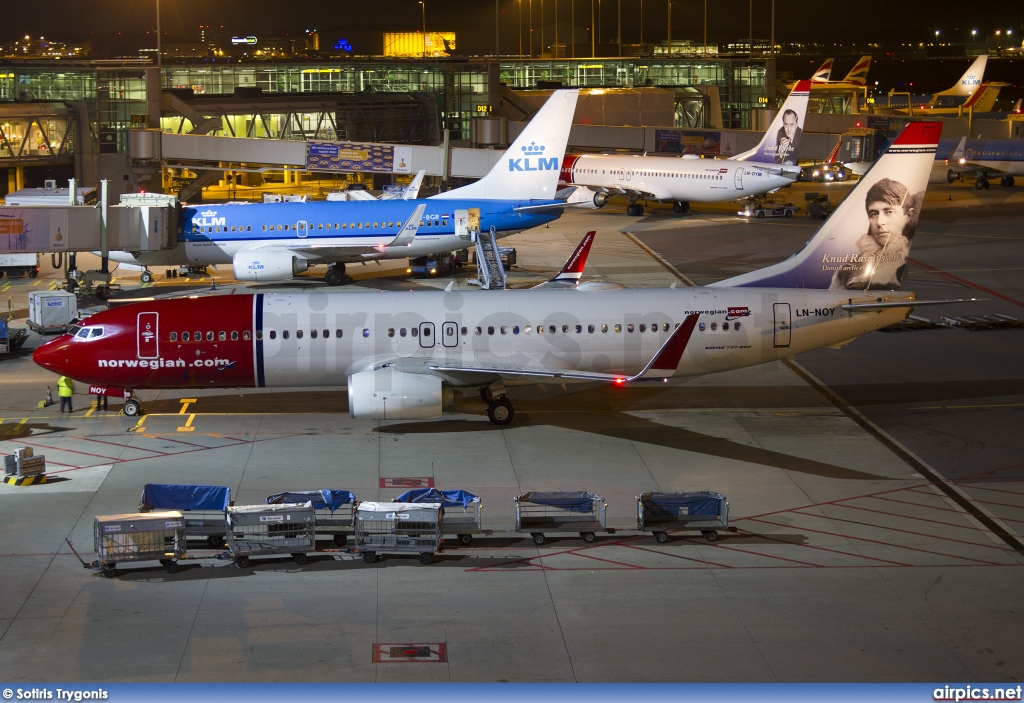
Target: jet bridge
(143, 222)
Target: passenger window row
(211, 336)
(714, 326)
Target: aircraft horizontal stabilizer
(867, 307)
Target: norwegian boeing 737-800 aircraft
(402, 353)
(272, 242)
(771, 165)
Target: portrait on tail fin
(787, 141)
(892, 218)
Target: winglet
(409, 229)
(413, 189)
(666, 361)
(570, 274)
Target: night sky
(795, 20)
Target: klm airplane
(276, 241)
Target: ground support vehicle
(761, 210)
(461, 511)
(19, 265)
(398, 528)
(156, 536)
(539, 513)
(705, 511)
(10, 339)
(285, 528)
(327, 509)
(51, 311)
(433, 265)
(204, 508)
(818, 205)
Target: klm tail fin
(865, 242)
(782, 140)
(529, 169)
(858, 75)
(959, 154)
(968, 82)
(823, 74)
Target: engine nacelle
(386, 394)
(601, 199)
(267, 265)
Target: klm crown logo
(533, 160)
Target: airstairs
(490, 272)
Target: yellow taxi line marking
(185, 402)
(18, 426)
(138, 425)
(91, 410)
(187, 427)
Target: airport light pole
(618, 31)
(520, 28)
(668, 47)
(593, 33)
(773, 27)
(423, 8)
(705, 26)
(497, 51)
(158, 32)
(641, 22)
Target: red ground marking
(921, 505)
(831, 550)
(965, 282)
(995, 490)
(911, 517)
(905, 532)
(126, 446)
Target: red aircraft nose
(53, 355)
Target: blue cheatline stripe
(257, 336)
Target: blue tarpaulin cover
(448, 499)
(165, 496)
(326, 499)
(696, 503)
(574, 501)
(3, 328)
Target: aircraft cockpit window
(74, 330)
(366, 333)
(174, 336)
(95, 332)
(83, 333)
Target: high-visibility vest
(65, 388)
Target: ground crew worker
(101, 401)
(65, 389)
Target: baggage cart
(398, 528)
(461, 511)
(705, 511)
(285, 528)
(330, 518)
(51, 311)
(561, 511)
(138, 537)
(204, 508)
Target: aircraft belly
(210, 253)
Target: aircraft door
(449, 334)
(783, 324)
(147, 339)
(301, 229)
(427, 335)
(462, 224)
(629, 175)
(739, 179)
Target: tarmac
(876, 498)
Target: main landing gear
(634, 209)
(499, 409)
(981, 184)
(335, 275)
(680, 206)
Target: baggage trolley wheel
(538, 538)
(300, 558)
(108, 570)
(340, 540)
(426, 558)
(466, 540)
(170, 565)
(710, 535)
(215, 541)
(242, 561)
(662, 537)
(370, 557)
(588, 537)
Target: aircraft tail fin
(834, 154)
(412, 191)
(984, 98)
(779, 145)
(858, 75)
(570, 274)
(529, 169)
(823, 74)
(960, 153)
(865, 242)
(968, 82)
(1016, 107)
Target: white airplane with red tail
(402, 354)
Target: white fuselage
(676, 179)
(550, 331)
